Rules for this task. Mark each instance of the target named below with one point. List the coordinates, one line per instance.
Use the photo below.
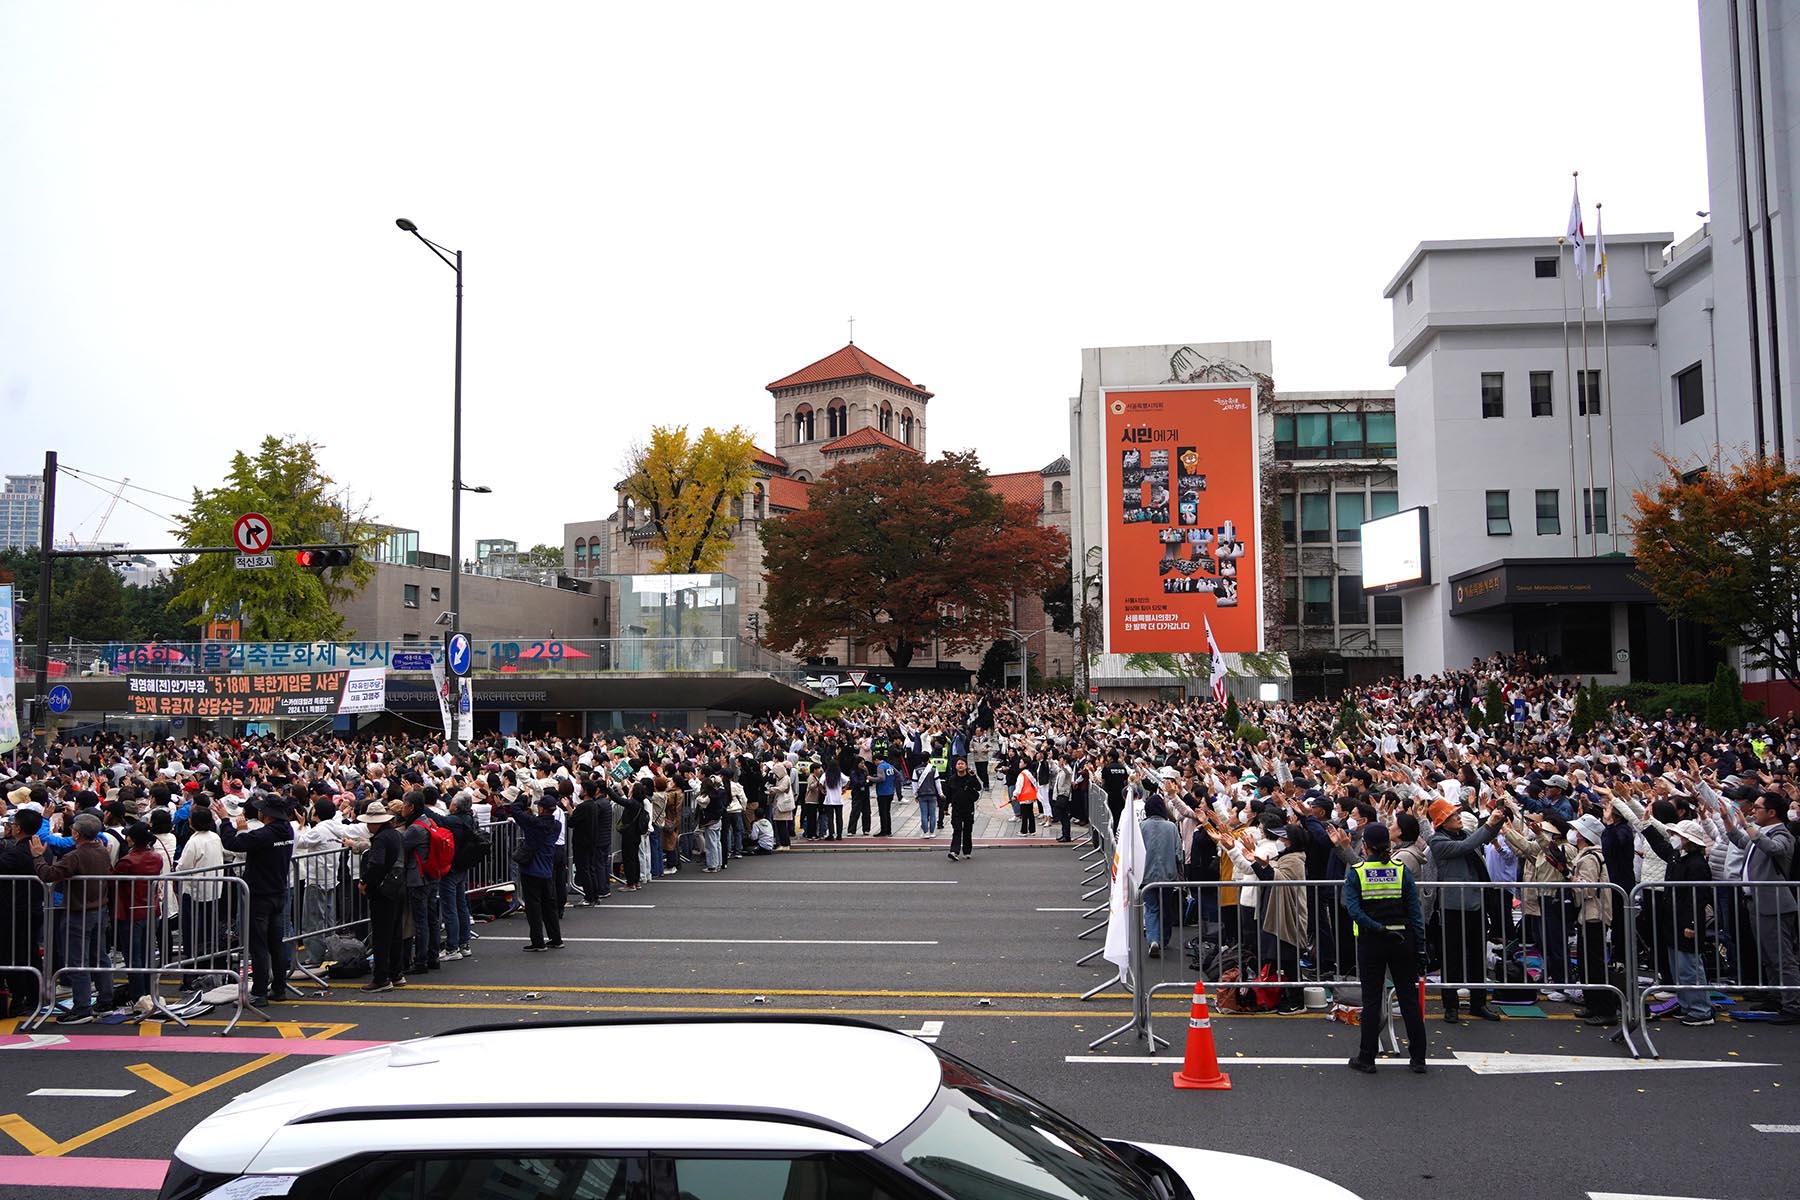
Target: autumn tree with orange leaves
(895, 551)
(1721, 547)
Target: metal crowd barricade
(120, 940)
(496, 871)
(1695, 938)
(1290, 935)
(323, 899)
(26, 956)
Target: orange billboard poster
(1181, 549)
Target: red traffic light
(304, 558)
(318, 561)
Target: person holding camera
(1382, 899)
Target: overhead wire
(136, 487)
(122, 499)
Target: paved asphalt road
(908, 937)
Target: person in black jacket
(453, 888)
(268, 850)
(539, 831)
(962, 789)
(590, 837)
(18, 989)
(630, 819)
(422, 893)
(387, 898)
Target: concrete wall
(491, 608)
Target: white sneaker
(450, 956)
(671, 871)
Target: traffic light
(319, 561)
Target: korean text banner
(9, 711)
(1180, 485)
(252, 697)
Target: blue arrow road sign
(457, 653)
(61, 698)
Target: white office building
(22, 512)
(1526, 457)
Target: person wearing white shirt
(319, 846)
(203, 933)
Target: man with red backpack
(430, 852)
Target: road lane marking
(852, 993)
(123, 1174)
(898, 1012)
(156, 1078)
(85, 1093)
(668, 941)
(1480, 1064)
(1776, 1128)
(1635, 1196)
(191, 1045)
(1062, 910)
(829, 882)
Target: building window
(887, 418)
(1284, 435)
(1383, 504)
(1315, 517)
(1499, 514)
(1409, 291)
(1690, 394)
(1315, 607)
(1379, 434)
(435, 597)
(1353, 606)
(1290, 600)
(737, 508)
(1349, 516)
(409, 595)
(1347, 435)
(1593, 510)
(803, 423)
(761, 499)
(906, 426)
(1544, 268)
(1493, 394)
(1588, 403)
(1287, 518)
(1056, 496)
(1549, 511)
(1542, 391)
(1387, 609)
(1312, 435)
(837, 419)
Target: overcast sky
(665, 207)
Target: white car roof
(843, 1081)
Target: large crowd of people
(385, 838)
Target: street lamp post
(454, 260)
(1024, 658)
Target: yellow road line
(851, 993)
(156, 1078)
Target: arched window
(1056, 496)
(837, 418)
(580, 553)
(737, 508)
(803, 423)
(802, 477)
(761, 502)
(906, 425)
(887, 418)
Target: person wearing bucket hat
(1595, 913)
(1685, 915)
(384, 883)
(1457, 856)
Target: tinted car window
(818, 1177)
(980, 1140)
(562, 1177)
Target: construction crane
(117, 495)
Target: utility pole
(40, 703)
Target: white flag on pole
(1602, 283)
(1127, 877)
(1218, 663)
(1576, 235)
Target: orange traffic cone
(1200, 1064)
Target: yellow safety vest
(1383, 896)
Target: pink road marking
(132, 1174)
(192, 1045)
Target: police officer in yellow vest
(1383, 902)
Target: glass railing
(520, 655)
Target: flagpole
(1569, 401)
(1587, 415)
(1612, 464)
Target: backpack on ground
(440, 855)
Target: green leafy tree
(1232, 718)
(543, 556)
(1724, 701)
(682, 489)
(284, 481)
(1496, 704)
(1581, 721)
(87, 599)
(154, 614)
(1349, 716)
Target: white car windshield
(980, 1140)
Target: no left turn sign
(252, 533)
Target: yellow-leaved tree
(683, 488)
